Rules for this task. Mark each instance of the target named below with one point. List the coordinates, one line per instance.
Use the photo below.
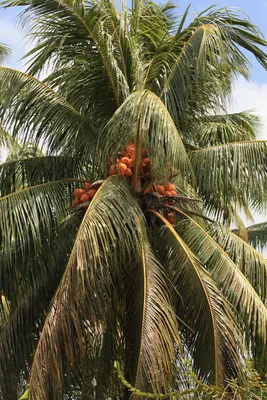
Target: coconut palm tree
(131, 274)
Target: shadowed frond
(152, 331)
(29, 288)
(233, 284)
(78, 311)
(26, 172)
(231, 175)
(145, 117)
(29, 214)
(207, 321)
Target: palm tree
(116, 278)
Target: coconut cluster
(124, 167)
(124, 163)
(83, 195)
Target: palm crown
(130, 275)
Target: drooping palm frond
(234, 285)
(73, 320)
(152, 331)
(207, 322)
(231, 175)
(144, 119)
(242, 33)
(38, 113)
(26, 214)
(200, 60)
(252, 264)
(29, 295)
(187, 66)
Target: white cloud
(251, 96)
(12, 36)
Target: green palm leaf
(212, 130)
(4, 52)
(231, 175)
(208, 323)
(26, 214)
(88, 28)
(31, 107)
(26, 172)
(91, 269)
(252, 264)
(152, 331)
(233, 284)
(145, 117)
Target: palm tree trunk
(11, 394)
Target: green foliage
(82, 287)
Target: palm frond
(26, 172)
(4, 52)
(231, 175)
(234, 285)
(38, 113)
(189, 64)
(75, 320)
(6, 139)
(28, 295)
(242, 32)
(212, 130)
(252, 264)
(199, 62)
(152, 331)
(88, 29)
(144, 114)
(207, 321)
(27, 214)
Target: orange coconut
(78, 193)
(85, 197)
(91, 193)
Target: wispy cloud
(248, 96)
(12, 36)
